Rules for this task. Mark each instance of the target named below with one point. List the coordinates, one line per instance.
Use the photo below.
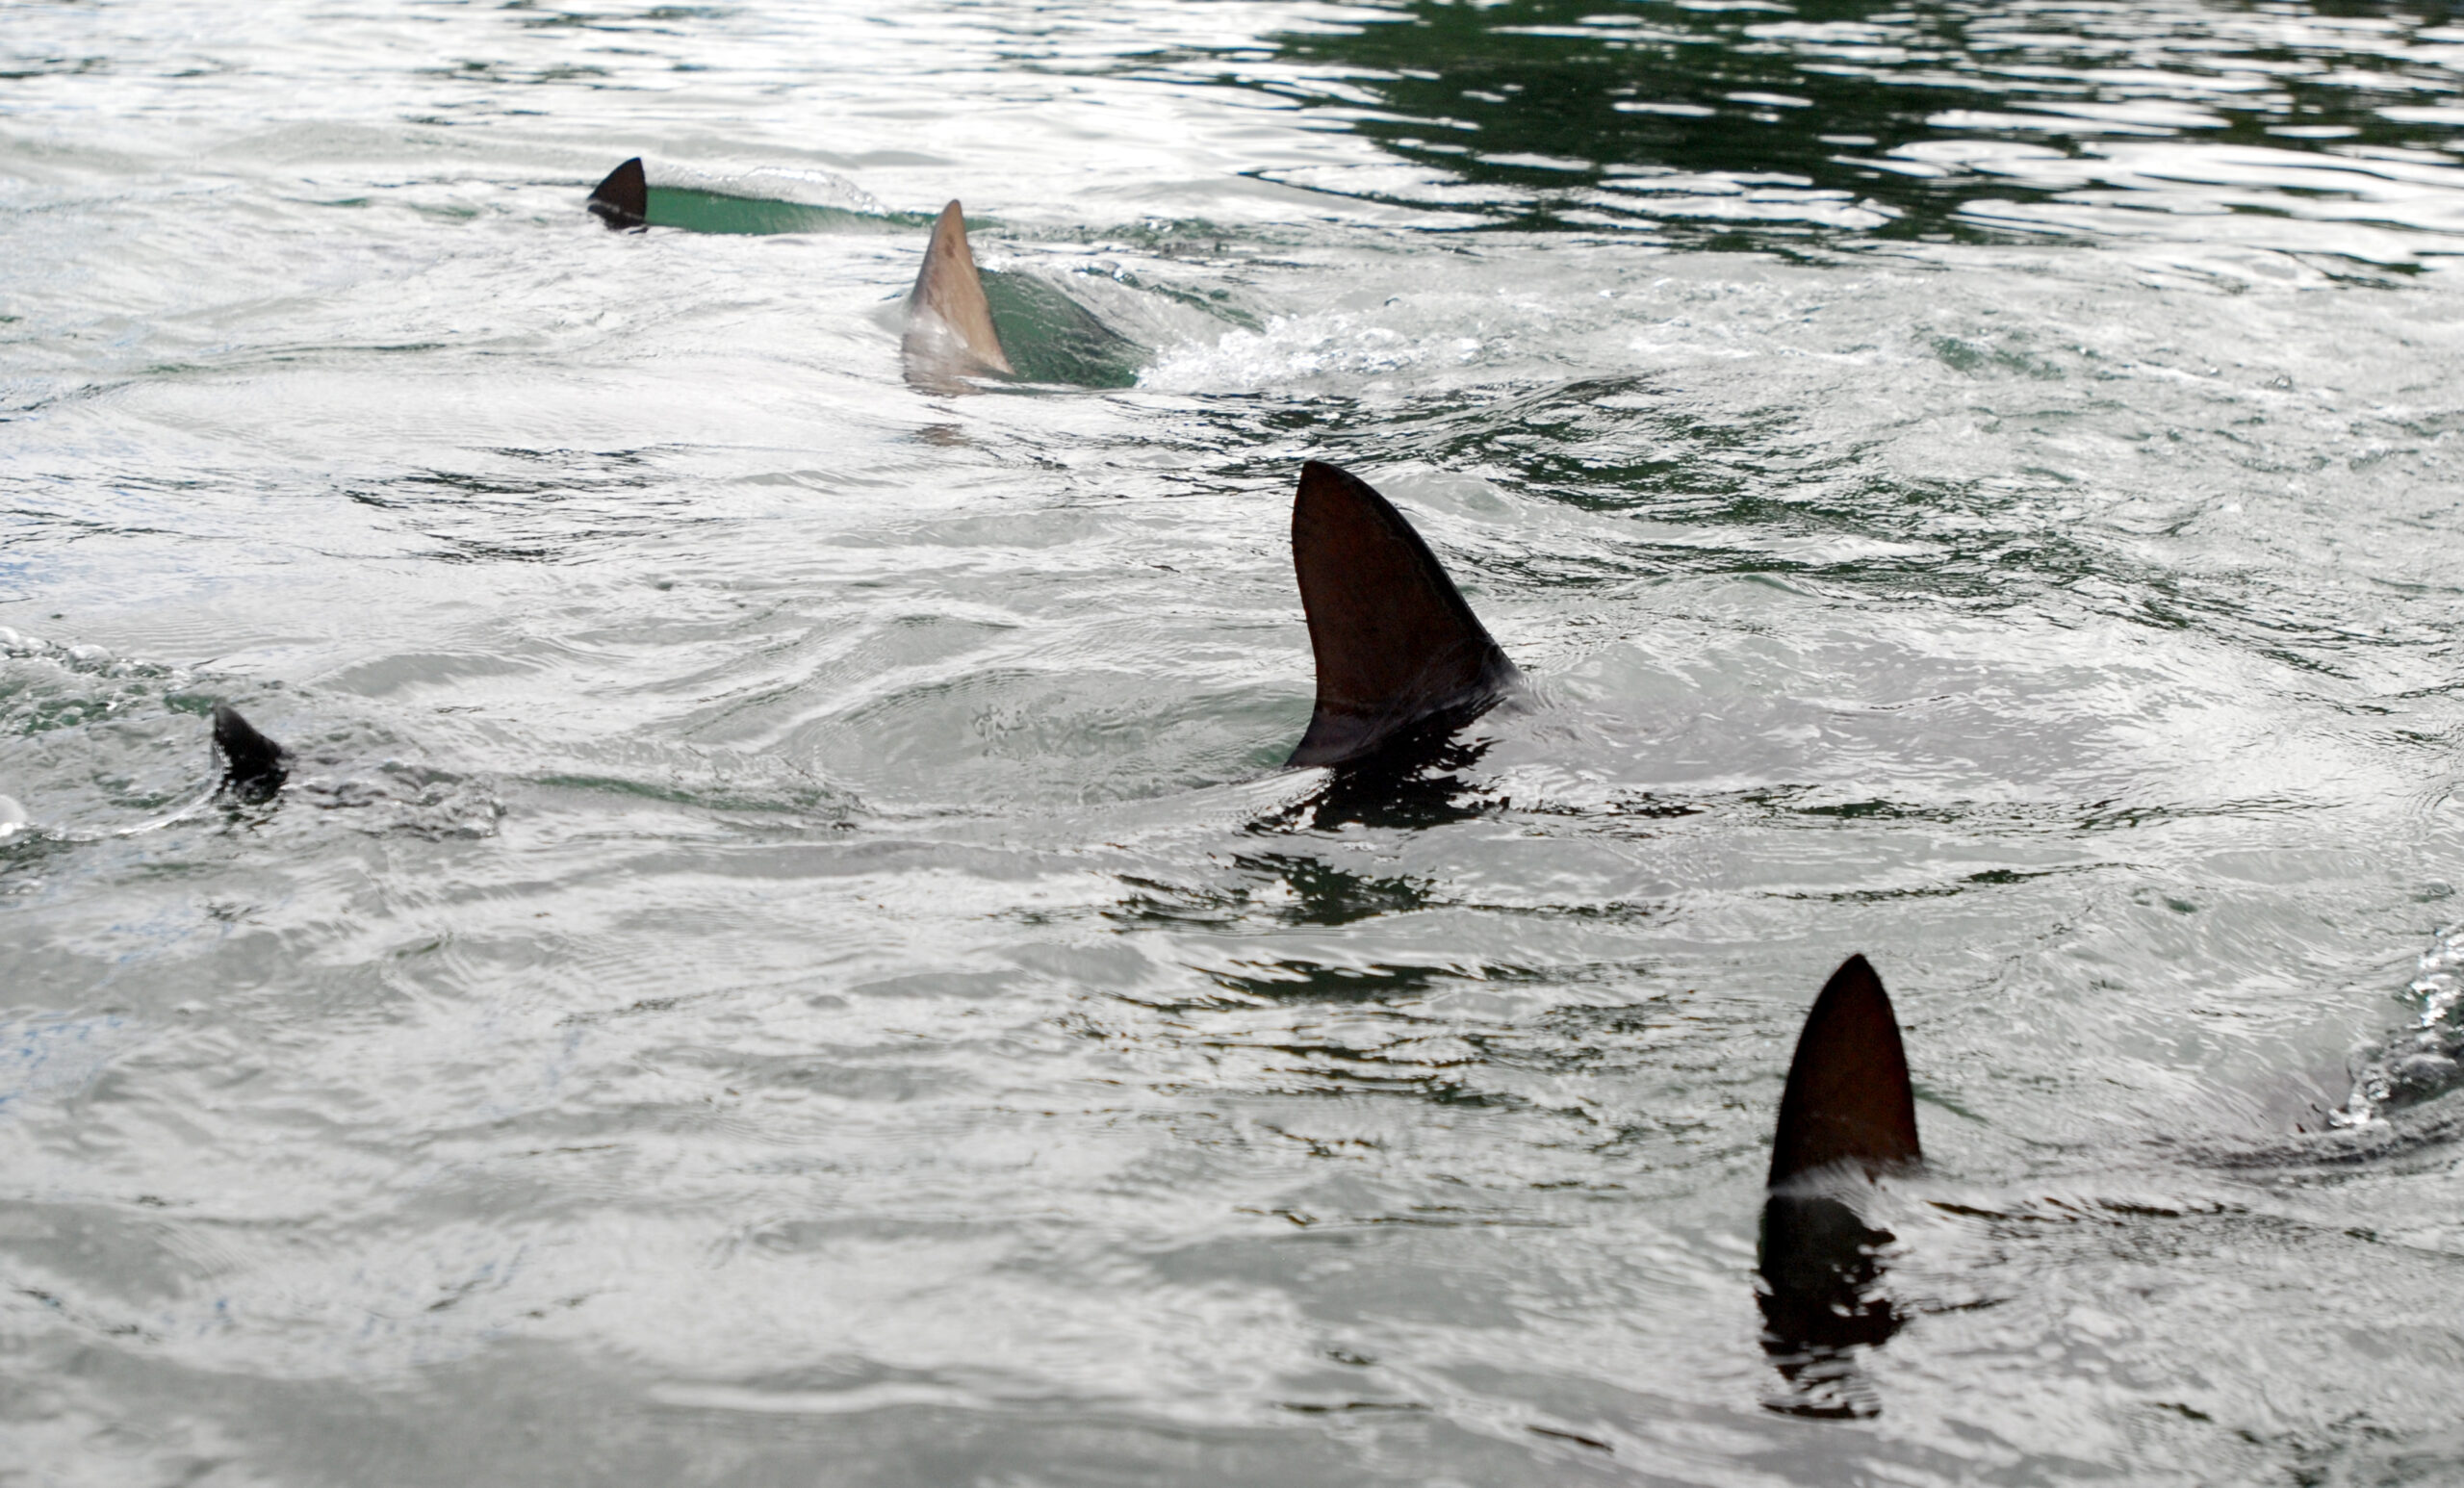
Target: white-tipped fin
(949, 324)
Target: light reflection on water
(2271, 126)
(786, 954)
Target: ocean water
(788, 955)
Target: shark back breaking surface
(1848, 1098)
(1396, 645)
(949, 323)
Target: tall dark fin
(252, 764)
(949, 324)
(624, 199)
(1848, 1098)
(1395, 644)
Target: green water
(1051, 337)
(716, 212)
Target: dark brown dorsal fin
(624, 198)
(1394, 642)
(252, 765)
(1848, 1099)
(949, 324)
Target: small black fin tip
(624, 199)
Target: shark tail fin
(252, 765)
(1395, 644)
(1848, 1098)
(624, 199)
(949, 323)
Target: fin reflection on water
(1848, 1107)
(1822, 1300)
(1415, 780)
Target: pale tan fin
(949, 325)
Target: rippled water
(788, 956)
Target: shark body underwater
(956, 314)
(953, 338)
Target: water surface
(788, 956)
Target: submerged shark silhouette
(1401, 659)
(961, 325)
(949, 322)
(1848, 1109)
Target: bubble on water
(1293, 348)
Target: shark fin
(1848, 1098)
(624, 199)
(253, 765)
(949, 324)
(1395, 644)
